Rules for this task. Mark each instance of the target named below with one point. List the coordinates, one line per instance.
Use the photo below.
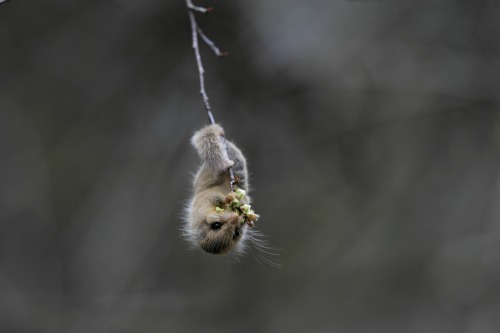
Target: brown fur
(211, 185)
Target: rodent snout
(234, 219)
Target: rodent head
(220, 232)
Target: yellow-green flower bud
(240, 193)
(245, 208)
(235, 203)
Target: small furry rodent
(210, 222)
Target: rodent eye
(216, 225)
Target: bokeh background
(372, 130)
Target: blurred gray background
(372, 130)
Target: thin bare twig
(201, 70)
(196, 31)
(212, 45)
(197, 8)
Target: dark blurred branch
(196, 31)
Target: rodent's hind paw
(218, 130)
(223, 167)
(214, 129)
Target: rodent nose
(234, 219)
